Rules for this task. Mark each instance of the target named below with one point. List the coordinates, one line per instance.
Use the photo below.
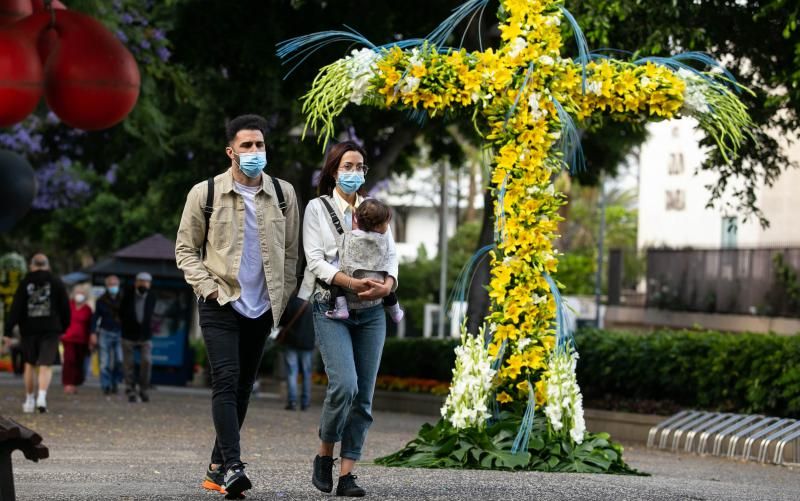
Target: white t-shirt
(254, 300)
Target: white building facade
(673, 195)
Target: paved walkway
(104, 448)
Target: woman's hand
(359, 285)
(376, 290)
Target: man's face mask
(251, 164)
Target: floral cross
(525, 99)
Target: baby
(365, 252)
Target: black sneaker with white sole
(236, 481)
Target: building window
(675, 164)
(399, 223)
(676, 200)
(730, 227)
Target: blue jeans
(110, 343)
(296, 361)
(351, 350)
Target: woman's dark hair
(327, 181)
(245, 122)
(372, 213)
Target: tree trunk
(478, 296)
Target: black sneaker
(214, 480)
(106, 391)
(236, 481)
(132, 398)
(323, 473)
(115, 389)
(291, 406)
(144, 396)
(347, 487)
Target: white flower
(645, 81)
(416, 58)
(361, 67)
(694, 99)
(518, 45)
(537, 111)
(546, 60)
(564, 400)
(522, 343)
(594, 87)
(410, 84)
(467, 403)
(554, 20)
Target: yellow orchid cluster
(624, 91)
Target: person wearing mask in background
(237, 246)
(137, 315)
(106, 335)
(41, 309)
(76, 341)
(297, 336)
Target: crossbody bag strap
(207, 211)
(334, 218)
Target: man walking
(137, 316)
(41, 309)
(107, 335)
(237, 246)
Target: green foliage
(576, 270)
(419, 358)
(786, 276)
(577, 266)
(443, 446)
(748, 373)
(420, 278)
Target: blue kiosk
(173, 360)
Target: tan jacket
(218, 270)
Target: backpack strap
(279, 193)
(207, 211)
(334, 218)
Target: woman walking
(76, 341)
(351, 348)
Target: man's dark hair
(245, 122)
(372, 213)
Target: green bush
(419, 358)
(749, 373)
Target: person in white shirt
(350, 348)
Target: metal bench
(14, 436)
(762, 438)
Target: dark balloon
(17, 188)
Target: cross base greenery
(443, 446)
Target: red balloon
(39, 5)
(91, 79)
(37, 30)
(12, 10)
(21, 81)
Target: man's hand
(5, 343)
(92, 341)
(214, 295)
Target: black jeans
(234, 344)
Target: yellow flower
(504, 398)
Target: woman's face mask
(350, 182)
